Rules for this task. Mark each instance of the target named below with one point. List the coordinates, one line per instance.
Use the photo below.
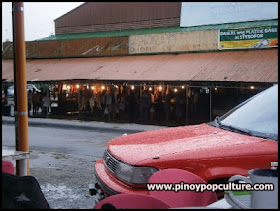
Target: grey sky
(38, 18)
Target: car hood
(198, 141)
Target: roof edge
(78, 7)
(168, 29)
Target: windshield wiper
(234, 129)
(217, 122)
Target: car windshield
(257, 116)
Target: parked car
(244, 138)
(10, 92)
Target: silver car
(11, 91)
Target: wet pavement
(63, 177)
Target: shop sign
(173, 42)
(257, 37)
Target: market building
(192, 74)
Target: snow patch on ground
(55, 191)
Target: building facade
(156, 55)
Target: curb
(82, 126)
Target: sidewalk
(84, 125)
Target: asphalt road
(62, 161)
(67, 140)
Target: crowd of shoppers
(157, 105)
(135, 106)
(38, 102)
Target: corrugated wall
(118, 26)
(108, 16)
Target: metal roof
(109, 16)
(226, 66)
(160, 30)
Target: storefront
(183, 88)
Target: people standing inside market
(179, 107)
(46, 103)
(35, 101)
(152, 106)
(111, 103)
(29, 95)
(92, 102)
(40, 100)
(5, 94)
(159, 108)
(103, 101)
(195, 102)
(123, 104)
(145, 103)
(131, 106)
(167, 105)
(82, 103)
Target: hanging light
(183, 87)
(132, 87)
(102, 87)
(252, 87)
(92, 87)
(64, 87)
(216, 88)
(175, 90)
(78, 86)
(160, 88)
(150, 89)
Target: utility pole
(20, 87)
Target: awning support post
(187, 105)
(210, 92)
(48, 96)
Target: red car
(244, 138)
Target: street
(62, 160)
(69, 141)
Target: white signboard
(206, 13)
